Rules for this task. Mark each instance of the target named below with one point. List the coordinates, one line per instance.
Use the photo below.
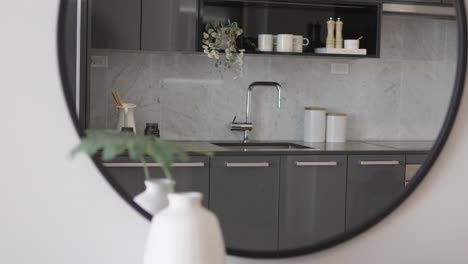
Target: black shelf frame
(374, 53)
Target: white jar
(336, 127)
(314, 124)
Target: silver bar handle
(154, 165)
(378, 162)
(316, 163)
(247, 165)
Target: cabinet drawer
(244, 195)
(190, 175)
(312, 199)
(373, 183)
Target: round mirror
(304, 122)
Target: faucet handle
(240, 126)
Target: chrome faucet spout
(249, 95)
(249, 100)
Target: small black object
(128, 129)
(152, 129)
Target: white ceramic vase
(185, 232)
(154, 198)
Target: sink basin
(261, 146)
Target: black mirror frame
(434, 154)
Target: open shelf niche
(306, 18)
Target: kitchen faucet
(248, 126)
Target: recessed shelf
(308, 54)
(306, 18)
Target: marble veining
(403, 95)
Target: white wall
(56, 211)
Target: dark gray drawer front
(189, 178)
(374, 182)
(244, 195)
(415, 159)
(312, 199)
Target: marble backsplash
(404, 95)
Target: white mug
(265, 42)
(284, 43)
(299, 42)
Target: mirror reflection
(318, 114)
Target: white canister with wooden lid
(336, 127)
(315, 119)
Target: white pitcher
(126, 116)
(185, 232)
(154, 198)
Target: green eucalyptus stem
(168, 174)
(145, 169)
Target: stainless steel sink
(260, 146)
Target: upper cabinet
(115, 24)
(177, 25)
(169, 25)
(160, 25)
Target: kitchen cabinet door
(244, 194)
(191, 175)
(169, 25)
(115, 24)
(413, 164)
(312, 199)
(373, 183)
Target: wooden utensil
(117, 99)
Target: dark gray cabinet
(115, 24)
(431, 2)
(413, 164)
(190, 175)
(412, 1)
(159, 25)
(244, 193)
(373, 183)
(312, 199)
(169, 25)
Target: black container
(128, 129)
(152, 129)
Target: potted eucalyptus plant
(219, 37)
(111, 144)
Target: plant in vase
(180, 226)
(221, 37)
(112, 144)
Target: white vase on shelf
(154, 198)
(185, 232)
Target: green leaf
(114, 143)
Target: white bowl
(351, 44)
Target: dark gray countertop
(351, 147)
(405, 145)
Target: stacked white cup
(281, 43)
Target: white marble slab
(401, 96)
